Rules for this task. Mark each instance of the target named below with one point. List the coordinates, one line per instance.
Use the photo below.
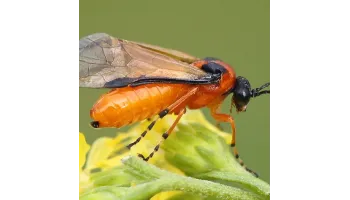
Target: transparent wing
(108, 62)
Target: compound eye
(243, 95)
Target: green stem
(190, 185)
(254, 184)
(159, 180)
(168, 181)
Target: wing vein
(134, 64)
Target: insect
(148, 81)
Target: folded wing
(108, 62)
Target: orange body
(123, 106)
(148, 81)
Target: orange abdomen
(124, 106)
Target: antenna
(256, 92)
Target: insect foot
(143, 157)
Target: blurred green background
(235, 31)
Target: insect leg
(165, 135)
(218, 125)
(229, 119)
(150, 126)
(163, 113)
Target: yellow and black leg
(163, 113)
(164, 136)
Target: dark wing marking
(110, 62)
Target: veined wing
(108, 62)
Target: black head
(242, 93)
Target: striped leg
(150, 126)
(163, 113)
(165, 135)
(228, 118)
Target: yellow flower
(83, 149)
(106, 153)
